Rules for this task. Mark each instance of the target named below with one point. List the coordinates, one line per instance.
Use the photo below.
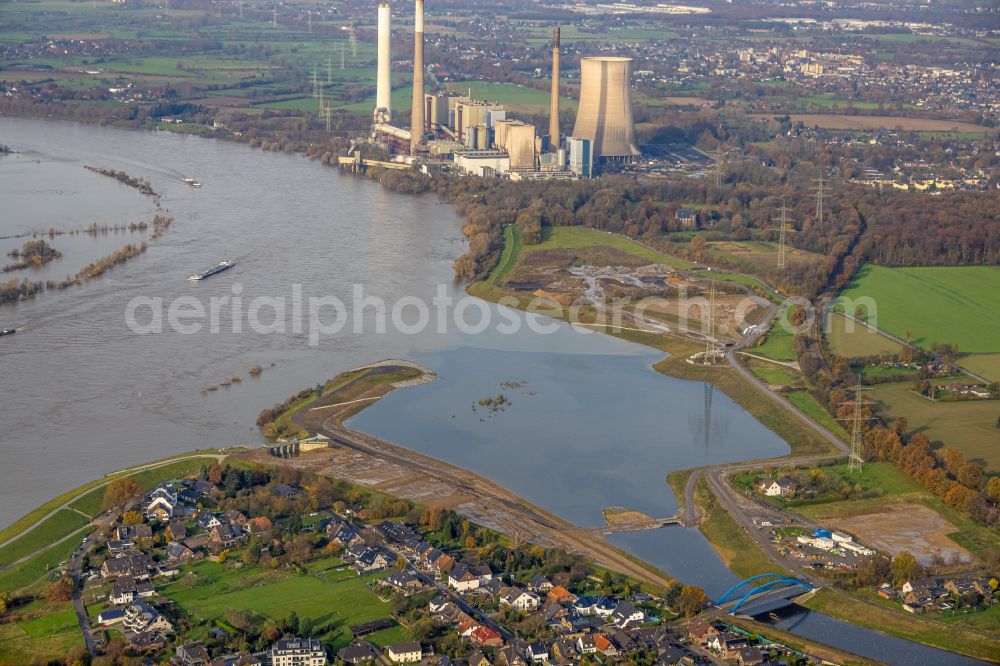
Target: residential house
(728, 644)
(206, 521)
(287, 491)
(111, 616)
(343, 533)
(404, 653)
(162, 503)
(297, 652)
(147, 641)
(123, 591)
(586, 644)
(442, 562)
(176, 531)
(238, 660)
(540, 583)
(594, 605)
(236, 517)
(463, 577)
(227, 535)
(404, 581)
(486, 637)
(749, 656)
(605, 646)
(368, 560)
(778, 487)
(510, 657)
(178, 552)
(519, 599)
(537, 652)
(687, 218)
(477, 658)
(358, 653)
(133, 566)
(560, 595)
(193, 654)
(135, 533)
(626, 615)
(259, 526)
(141, 617)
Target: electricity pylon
(821, 189)
(783, 221)
(718, 166)
(315, 83)
(342, 52)
(854, 460)
(309, 16)
(354, 42)
(329, 70)
(274, 16)
(710, 338)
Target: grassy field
(58, 526)
(778, 343)
(775, 375)
(925, 629)
(273, 595)
(859, 342)
(38, 632)
(984, 365)
(807, 403)
(970, 426)
(556, 238)
(513, 97)
(960, 305)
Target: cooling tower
(605, 113)
(383, 87)
(554, 104)
(417, 118)
(521, 146)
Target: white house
(519, 599)
(626, 615)
(778, 487)
(298, 652)
(464, 578)
(404, 653)
(162, 504)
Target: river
(587, 423)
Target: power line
(783, 221)
(354, 42)
(821, 189)
(857, 422)
(718, 167)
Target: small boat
(218, 268)
(8, 331)
(191, 181)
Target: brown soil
(912, 527)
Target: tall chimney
(383, 88)
(417, 118)
(554, 104)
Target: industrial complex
(479, 137)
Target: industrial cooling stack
(383, 88)
(417, 117)
(605, 113)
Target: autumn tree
(60, 591)
(121, 491)
(132, 518)
(691, 600)
(215, 473)
(905, 567)
(993, 489)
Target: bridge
(761, 594)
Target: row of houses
(943, 593)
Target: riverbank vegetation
(34, 253)
(144, 186)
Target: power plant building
(605, 113)
(520, 145)
(581, 157)
(484, 163)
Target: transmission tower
(241, 8)
(718, 166)
(857, 421)
(782, 221)
(316, 88)
(342, 52)
(324, 110)
(821, 189)
(329, 70)
(274, 16)
(309, 18)
(354, 42)
(710, 338)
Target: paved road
(75, 570)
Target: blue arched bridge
(761, 594)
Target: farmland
(959, 305)
(576, 238)
(855, 340)
(39, 630)
(970, 426)
(850, 122)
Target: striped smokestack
(417, 118)
(554, 104)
